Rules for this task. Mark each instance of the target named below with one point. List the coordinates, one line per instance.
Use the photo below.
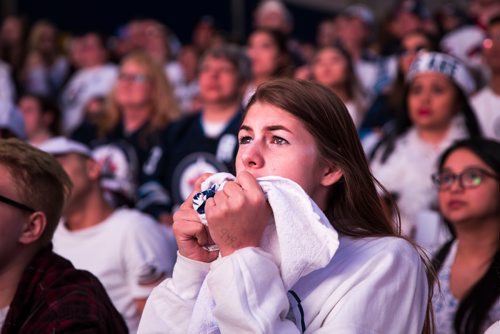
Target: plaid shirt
(54, 297)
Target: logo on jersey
(189, 170)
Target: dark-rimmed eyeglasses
(469, 178)
(16, 204)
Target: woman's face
(329, 67)
(411, 45)
(32, 115)
(133, 88)
(263, 53)
(273, 142)
(432, 101)
(461, 205)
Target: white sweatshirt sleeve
(170, 305)
(249, 294)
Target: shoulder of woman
(392, 249)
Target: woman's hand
(191, 235)
(238, 215)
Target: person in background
(269, 56)
(41, 292)
(274, 15)
(300, 132)
(188, 90)
(326, 32)
(332, 67)
(354, 29)
(437, 112)
(13, 45)
(203, 34)
(486, 102)
(127, 250)
(462, 38)
(45, 68)
(95, 77)
(482, 11)
(140, 105)
(404, 16)
(201, 142)
(41, 118)
(468, 181)
(386, 105)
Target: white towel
(301, 240)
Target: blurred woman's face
(263, 53)
(273, 142)
(472, 204)
(47, 39)
(32, 115)
(432, 101)
(411, 45)
(329, 67)
(134, 86)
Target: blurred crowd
(143, 115)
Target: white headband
(444, 64)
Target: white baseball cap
(445, 64)
(62, 145)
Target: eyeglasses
(139, 78)
(15, 204)
(469, 178)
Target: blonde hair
(164, 107)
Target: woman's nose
(252, 156)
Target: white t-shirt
(486, 105)
(127, 252)
(85, 84)
(445, 304)
(465, 43)
(3, 315)
(367, 283)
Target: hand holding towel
(301, 240)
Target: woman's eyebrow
(267, 128)
(277, 127)
(245, 127)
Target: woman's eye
(279, 140)
(438, 89)
(415, 90)
(245, 140)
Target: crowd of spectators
(136, 118)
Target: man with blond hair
(41, 292)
